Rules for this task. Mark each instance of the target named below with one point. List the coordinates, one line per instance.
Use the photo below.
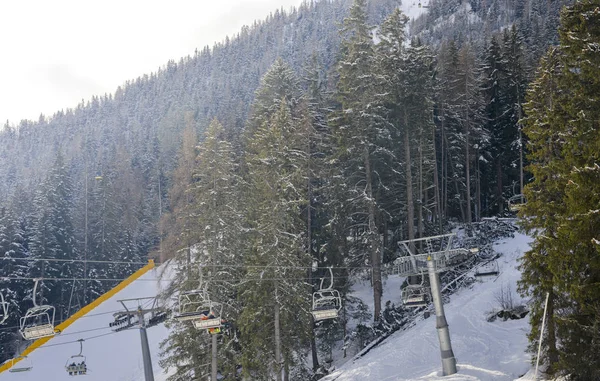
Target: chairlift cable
(71, 260)
(220, 280)
(215, 265)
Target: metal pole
(213, 374)
(537, 361)
(148, 373)
(448, 360)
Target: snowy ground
(110, 356)
(411, 8)
(484, 351)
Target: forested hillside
(318, 137)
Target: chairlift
(516, 203)
(326, 302)
(416, 295)
(76, 364)
(3, 309)
(490, 268)
(38, 321)
(25, 364)
(196, 306)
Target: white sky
(54, 53)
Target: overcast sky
(54, 53)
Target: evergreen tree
(562, 125)
(359, 136)
(469, 134)
(273, 322)
(206, 203)
(542, 125)
(53, 238)
(11, 250)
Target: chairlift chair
(516, 203)
(25, 364)
(3, 309)
(38, 321)
(490, 268)
(75, 368)
(326, 302)
(416, 295)
(195, 306)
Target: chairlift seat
(516, 203)
(77, 369)
(415, 296)
(324, 314)
(326, 304)
(488, 269)
(38, 331)
(26, 367)
(38, 322)
(20, 369)
(207, 323)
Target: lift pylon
(439, 256)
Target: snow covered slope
(110, 356)
(411, 8)
(484, 350)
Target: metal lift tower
(437, 256)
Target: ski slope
(411, 8)
(484, 351)
(111, 356)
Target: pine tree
(469, 134)
(544, 200)
(13, 291)
(562, 125)
(54, 238)
(359, 136)
(207, 227)
(273, 324)
(578, 233)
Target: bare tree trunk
(477, 188)
(422, 196)
(410, 203)
(374, 240)
(499, 186)
(468, 168)
(444, 166)
(551, 338)
(278, 361)
(313, 344)
(436, 182)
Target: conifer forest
(318, 138)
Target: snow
(484, 350)
(411, 8)
(363, 290)
(115, 356)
